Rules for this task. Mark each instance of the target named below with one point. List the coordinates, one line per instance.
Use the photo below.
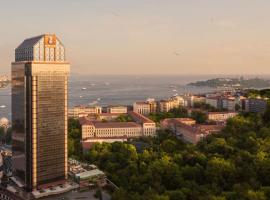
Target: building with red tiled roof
(188, 130)
(148, 126)
(95, 130)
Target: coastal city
(189, 118)
(135, 100)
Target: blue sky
(146, 36)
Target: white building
(142, 126)
(84, 111)
(212, 101)
(117, 109)
(143, 108)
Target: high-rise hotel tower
(39, 111)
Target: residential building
(83, 111)
(195, 133)
(117, 109)
(197, 99)
(213, 101)
(153, 105)
(172, 123)
(229, 103)
(173, 102)
(188, 130)
(220, 116)
(39, 112)
(256, 105)
(143, 108)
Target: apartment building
(229, 103)
(84, 111)
(256, 105)
(117, 109)
(143, 108)
(174, 102)
(220, 116)
(213, 101)
(188, 130)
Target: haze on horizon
(146, 36)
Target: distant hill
(233, 82)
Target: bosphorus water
(118, 89)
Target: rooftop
(96, 124)
(139, 118)
(115, 125)
(91, 173)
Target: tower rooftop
(45, 47)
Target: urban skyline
(167, 100)
(147, 37)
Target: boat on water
(93, 103)
(83, 88)
(2, 106)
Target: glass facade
(18, 121)
(50, 115)
(39, 113)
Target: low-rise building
(172, 123)
(195, 133)
(173, 102)
(117, 109)
(96, 131)
(92, 129)
(256, 105)
(229, 103)
(86, 175)
(220, 116)
(148, 126)
(153, 105)
(143, 108)
(213, 101)
(84, 111)
(188, 130)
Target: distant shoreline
(240, 83)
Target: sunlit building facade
(39, 111)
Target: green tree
(199, 116)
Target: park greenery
(74, 139)
(231, 165)
(124, 118)
(252, 93)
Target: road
(75, 195)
